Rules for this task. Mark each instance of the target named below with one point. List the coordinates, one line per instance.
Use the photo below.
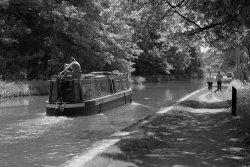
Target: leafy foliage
(189, 23)
(44, 33)
(167, 49)
(147, 37)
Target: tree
(220, 24)
(161, 38)
(44, 33)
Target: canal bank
(197, 131)
(10, 89)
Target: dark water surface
(30, 138)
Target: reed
(23, 88)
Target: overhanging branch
(199, 28)
(188, 20)
(211, 26)
(176, 6)
(205, 28)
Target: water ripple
(30, 128)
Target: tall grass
(23, 88)
(243, 104)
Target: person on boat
(72, 70)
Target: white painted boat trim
(111, 97)
(65, 105)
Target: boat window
(118, 85)
(113, 88)
(124, 84)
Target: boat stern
(67, 109)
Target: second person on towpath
(219, 78)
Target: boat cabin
(92, 93)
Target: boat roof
(95, 74)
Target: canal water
(30, 138)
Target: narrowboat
(91, 94)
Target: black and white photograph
(124, 83)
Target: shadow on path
(197, 104)
(181, 138)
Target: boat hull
(89, 107)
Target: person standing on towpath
(210, 80)
(219, 81)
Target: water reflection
(161, 95)
(138, 87)
(168, 95)
(20, 101)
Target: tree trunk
(239, 74)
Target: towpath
(198, 131)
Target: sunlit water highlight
(30, 128)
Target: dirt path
(198, 132)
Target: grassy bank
(243, 107)
(23, 88)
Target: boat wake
(30, 128)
